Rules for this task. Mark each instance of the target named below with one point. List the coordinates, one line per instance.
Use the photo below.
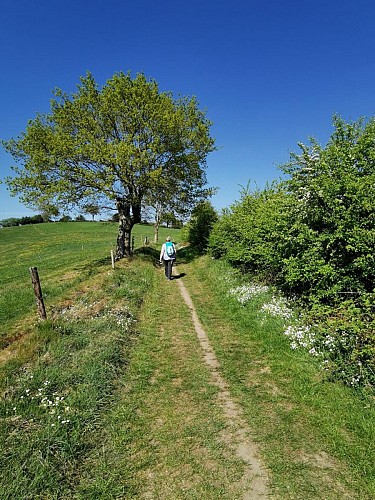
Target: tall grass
(52, 404)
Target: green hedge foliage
(313, 235)
(198, 229)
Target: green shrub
(251, 233)
(313, 235)
(198, 230)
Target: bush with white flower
(245, 293)
(345, 354)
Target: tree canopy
(119, 145)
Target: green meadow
(64, 254)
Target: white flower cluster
(329, 343)
(244, 293)
(278, 307)
(53, 404)
(122, 318)
(355, 380)
(302, 337)
(78, 310)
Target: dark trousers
(168, 264)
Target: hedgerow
(313, 236)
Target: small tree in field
(168, 207)
(91, 209)
(47, 210)
(117, 145)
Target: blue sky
(269, 73)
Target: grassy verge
(55, 392)
(317, 437)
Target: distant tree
(80, 218)
(36, 219)
(171, 201)
(22, 221)
(65, 218)
(47, 209)
(116, 145)
(91, 209)
(11, 221)
(170, 220)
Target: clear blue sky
(269, 73)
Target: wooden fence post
(112, 259)
(38, 293)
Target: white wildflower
(278, 307)
(244, 293)
(302, 337)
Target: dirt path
(237, 434)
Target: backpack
(169, 250)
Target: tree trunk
(156, 232)
(123, 248)
(128, 216)
(157, 224)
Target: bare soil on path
(237, 434)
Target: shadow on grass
(178, 276)
(91, 268)
(148, 253)
(187, 254)
(184, 255)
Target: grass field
(110, 398)
(64, 253)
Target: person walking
(168, 256)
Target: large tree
(120, 145)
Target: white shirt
(164, 255)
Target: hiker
(168, 256)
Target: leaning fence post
(38, 292)
(112, 259)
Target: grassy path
(315, 438)
(167, 436)
(238, 433)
